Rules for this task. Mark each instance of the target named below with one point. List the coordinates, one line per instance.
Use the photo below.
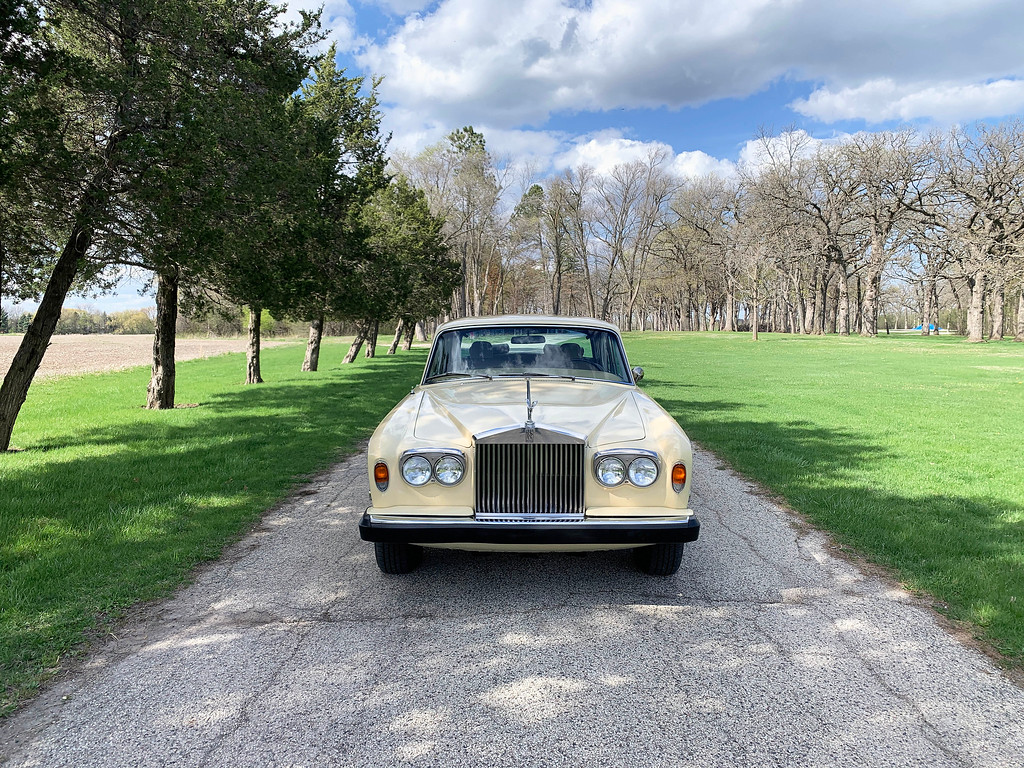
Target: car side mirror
(638, 373)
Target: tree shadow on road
(95, 519)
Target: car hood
(600, 412)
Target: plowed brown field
(81, 354)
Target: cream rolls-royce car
(529, 433)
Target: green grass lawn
(909, 449)
(108, 503)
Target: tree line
(227, 321)
(207, 143)
(83, 321)
(807, 237)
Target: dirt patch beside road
(71, 354)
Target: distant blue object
(931, 327)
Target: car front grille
(528, 482)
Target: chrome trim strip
(634, 452)
(518, 428)
(457, 451)
(539, 517)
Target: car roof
(528, 320)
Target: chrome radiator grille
(526, 481)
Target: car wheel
(662, 559)
(397, 556)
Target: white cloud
(605, 150)
(759, 152)
(693, 165)
(515, 64)
(542, 153)
(338, 18)
(412, 130)
(884, 99)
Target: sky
(557, 83)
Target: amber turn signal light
(381, 476)
(678, 477)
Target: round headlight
(416, 470)
(449, 470)
(611, 471)
(643, 472)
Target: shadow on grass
(122, 513)
(967, 551)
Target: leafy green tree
(130, 79)
(409, 272)
(130, 321)
(341, 151)
(33, 157)
(462, 182)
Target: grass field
(909, 449)
(108, 503)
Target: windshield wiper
(532, 375)
(458, 375)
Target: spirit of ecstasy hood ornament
(529, 427)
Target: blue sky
(563, 82)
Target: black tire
(397, 556)
(662, 559)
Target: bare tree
(890, 173)
(984, 171)
(813, 189)
(708, 212)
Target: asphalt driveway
(764, 650)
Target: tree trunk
(556, 280)
(831, 310)
(926, 309)
(869, 306)
(976, 309)
(160, 394)
(816, 321)
(316, 335)
(843, 317)
(362, 326)
(809, 306)
(1020, 316)
(33, 345)
(463, 306)
(252, 353)
(421, 334)
(998, 301)
(410, 331)
(800, 305)
(3, 260)
(728, 323)
(398, 338)
(371, 339)
(961, 316)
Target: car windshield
(582, 353)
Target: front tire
(662, 559)
(397, 557)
